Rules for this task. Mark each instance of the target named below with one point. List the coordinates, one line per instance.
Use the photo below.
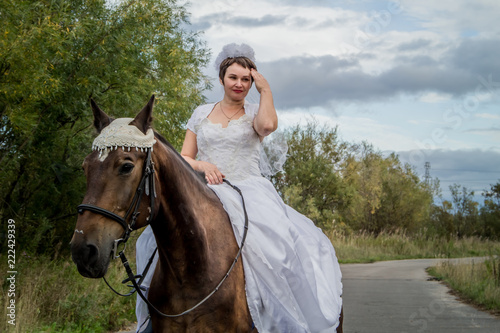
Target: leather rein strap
(131, 277)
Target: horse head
(114, 171)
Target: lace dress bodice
(234, 149)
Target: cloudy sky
(419, 78)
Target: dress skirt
(292, 276)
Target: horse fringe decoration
(121, 134)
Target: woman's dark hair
(242, 61)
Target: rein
(147, 185)
(138, 288)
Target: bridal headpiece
(121, 134)
(234, 50)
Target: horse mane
(199, 174)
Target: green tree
(387, 195)
(312, 181)
(442, 220)
(363, 174)
(405, 200)
(54, 56)
(493, 194)
(490, 212)
(351, 187)
(466, 213)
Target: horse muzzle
(91, 261)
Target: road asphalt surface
(397, 297)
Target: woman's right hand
(212, 173)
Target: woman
(236, 75)
(293, 280)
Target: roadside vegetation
(51, 296)
(364, 247)
(477, 283)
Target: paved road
(395, 296)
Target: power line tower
(427, 178)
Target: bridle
(147, 185)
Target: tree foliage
(466, 213)
(54, 56)
(441, 221)
(462, 216)
(388, 195)
(350, 187)
(490, 212)
(311, 182)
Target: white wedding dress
(293, 279)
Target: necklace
(229, 118)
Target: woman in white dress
(292, 276)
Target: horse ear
(144, 119)
(101, 119)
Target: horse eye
(126, 168)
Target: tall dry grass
(366, 247)
(51, 296)
(477, 282)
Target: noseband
(146, 185)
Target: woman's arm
(189, 151)
(266, 120)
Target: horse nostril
(92, 254)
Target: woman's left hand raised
(260, 81)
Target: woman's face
(237, 82)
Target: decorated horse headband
(119, 133)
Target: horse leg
(340, 328)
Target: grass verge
(477, 283)
(51, 296)
(365, 247)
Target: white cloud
(310, 30)
(353, 129)
(433, 97)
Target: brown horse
(196, 244)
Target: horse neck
(178, 227)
